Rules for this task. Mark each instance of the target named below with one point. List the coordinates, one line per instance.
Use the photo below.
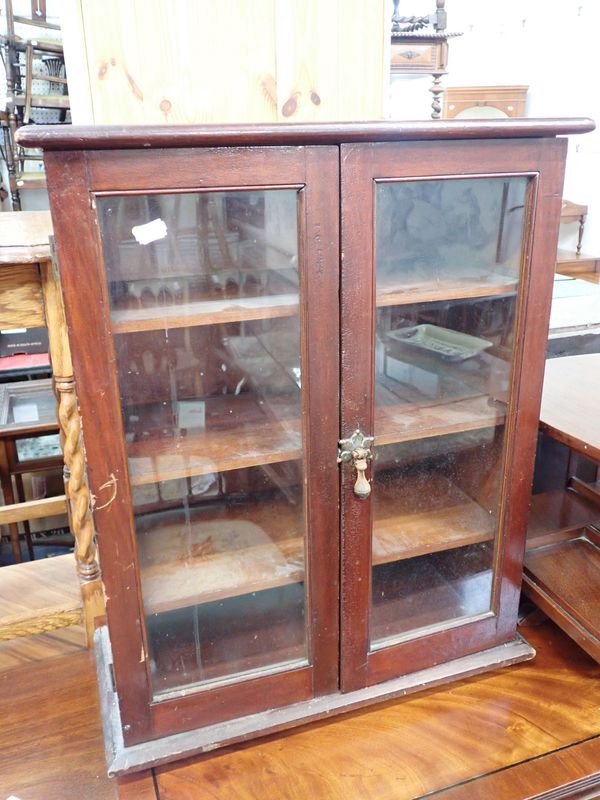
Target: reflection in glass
(204, 294)
(448, 236)
(448, 256)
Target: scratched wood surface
(405, 749)
(396, 751)
(24, 237)
(217, 554)
(299, 61)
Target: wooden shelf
(553, 515)
(252, 433)
(44, 100)
(563, 579)
(245, 432)
(436, 515)
(485, 285)
(562, 563)
(402, 422)
(260, 545)
(205, 312)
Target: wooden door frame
(74, 177)
(543, 161)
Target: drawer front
(414, 57)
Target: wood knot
(291, 105)
(315, 98)
(165, 106)
(103, 70)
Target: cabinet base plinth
(122, 759)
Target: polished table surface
(570, 403)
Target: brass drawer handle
(357, 450)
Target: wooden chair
(30, 296)
(29, 60)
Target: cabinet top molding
(108, 137)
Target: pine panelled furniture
(309, 362)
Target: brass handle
(357, 450)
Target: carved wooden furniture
(234, 473)
(31, 296)
(471, 102)
(574, 212)
(577, 264)
(420, 47)
(562, 564)
(28, 61)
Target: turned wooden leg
(76, 485)
(436, 90)
(9, 498)
(580, 237)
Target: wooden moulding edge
(122, 760)
(109, 137)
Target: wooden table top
(569, 410)
(537, 717)
(24, 237)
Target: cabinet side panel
(93, 359)
(528, 375)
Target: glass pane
(207, 340)
(25, 404)
(38, 447)
(448, 256)
(31, 409)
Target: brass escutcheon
(357, 451)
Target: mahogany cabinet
(309, 362)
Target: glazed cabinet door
(448, 257)
(202, 293)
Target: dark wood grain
(569, 773)
(553, 515)
(139, 786)
(50, 737)
(407, 748)
(320, 410)
(52, 137)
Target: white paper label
(191, 414)
(150, 232)
(26, 412)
